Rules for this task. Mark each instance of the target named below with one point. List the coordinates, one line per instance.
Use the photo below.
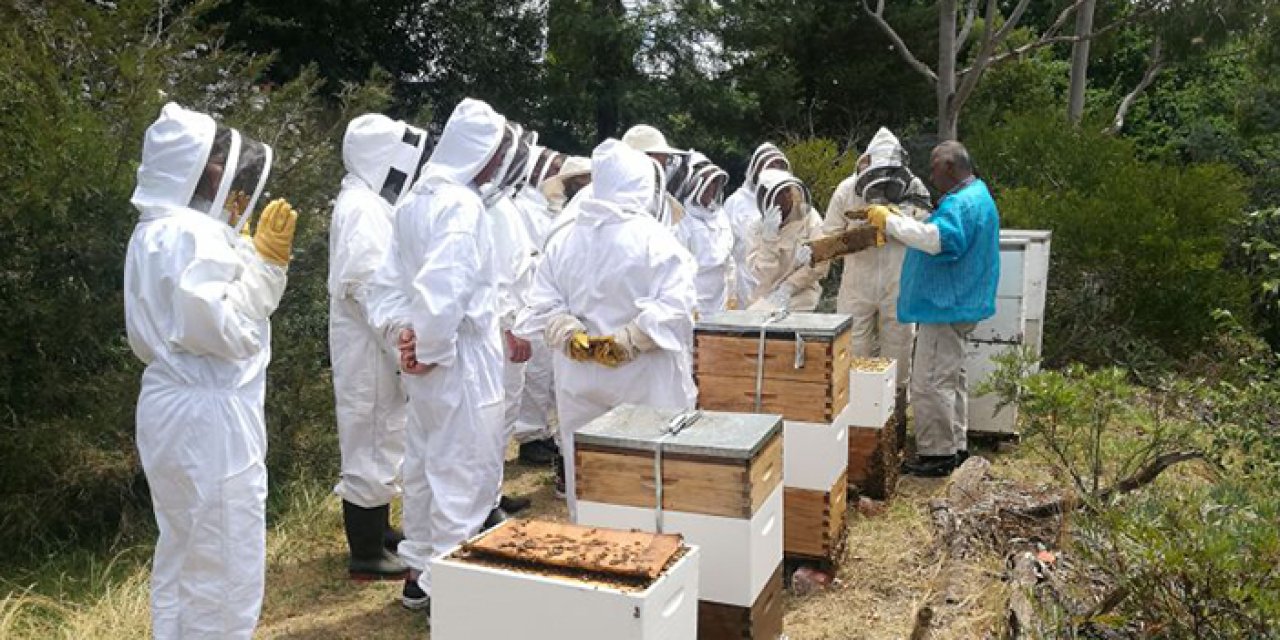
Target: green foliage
(1257, 255)
(1138, 245)
(821, 166)
(1190, 562)
(1093, 427)
(81, 84)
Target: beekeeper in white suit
(869, 283)
(616, 277)
(436, 299)
(744, 216)
(779, 258)
(382, 157)
(198, 298)
(707, 233)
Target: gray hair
(955, 154)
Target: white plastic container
(815, 455)
(871, 396)
(475, 602)
(738, 556)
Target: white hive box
(871, 397)
(466, 596)
(722, 489)
(815, 454)
(1018, 323)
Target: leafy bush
(1138, 246)
(80, 85)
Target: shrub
(81, 82)
(1138, 246)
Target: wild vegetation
(1160, 181)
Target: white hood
(384, 154)
(174, 153)
(623, 178)
(764, 154)
(470, 138)
(773, 182)
(885, 150)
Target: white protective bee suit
(382, 157)
(706, 232)
(439, 279)
(780, 265)
(197, 302)
(616, 267)
(744, 216)
(869, 283)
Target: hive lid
(809, 325)
(717, 434)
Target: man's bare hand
(517, 350)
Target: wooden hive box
(814, 500)
(761, 621)
(659, 601)
(726, 356)
(721, 489)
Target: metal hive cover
(717, 434)
(809, 325)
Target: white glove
(771, 223)
(560, 329)
(781, 297)
(634, 341)
(803, 255)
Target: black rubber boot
(539, 452)
(930, 466)
(365, 529)
(391, 536)
(558, 465)
(514, 505)
(496, 517)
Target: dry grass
(889, 570)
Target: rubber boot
(391, 536)
(370, 560)
(900, 417)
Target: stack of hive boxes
(873, 441)
(796, 365)
(716, 479)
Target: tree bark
(946, 87)
(1080, 62)
(1153, 70)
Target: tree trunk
(1080, 62)
(946, 69)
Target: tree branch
(970, 14)
(1142, 478)
(1048, 38)
(1153, 70)
(877, 16)
(989, 40)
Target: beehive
(803, 368)
(721, 489)
(816, 459)
(654, 597)
(873, 443)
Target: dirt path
(887, 572)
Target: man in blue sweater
(948, 285)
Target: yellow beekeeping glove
(578, 348)
(878, 216)
(274, 236)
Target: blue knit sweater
(959, 283)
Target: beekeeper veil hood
(387, 155)
(189, 160)
(783, 190)
(626, 178)
(765, 155)
(471, 138)
(705, 184)
(511, 174)
(886, 178)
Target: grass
(889, 569)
